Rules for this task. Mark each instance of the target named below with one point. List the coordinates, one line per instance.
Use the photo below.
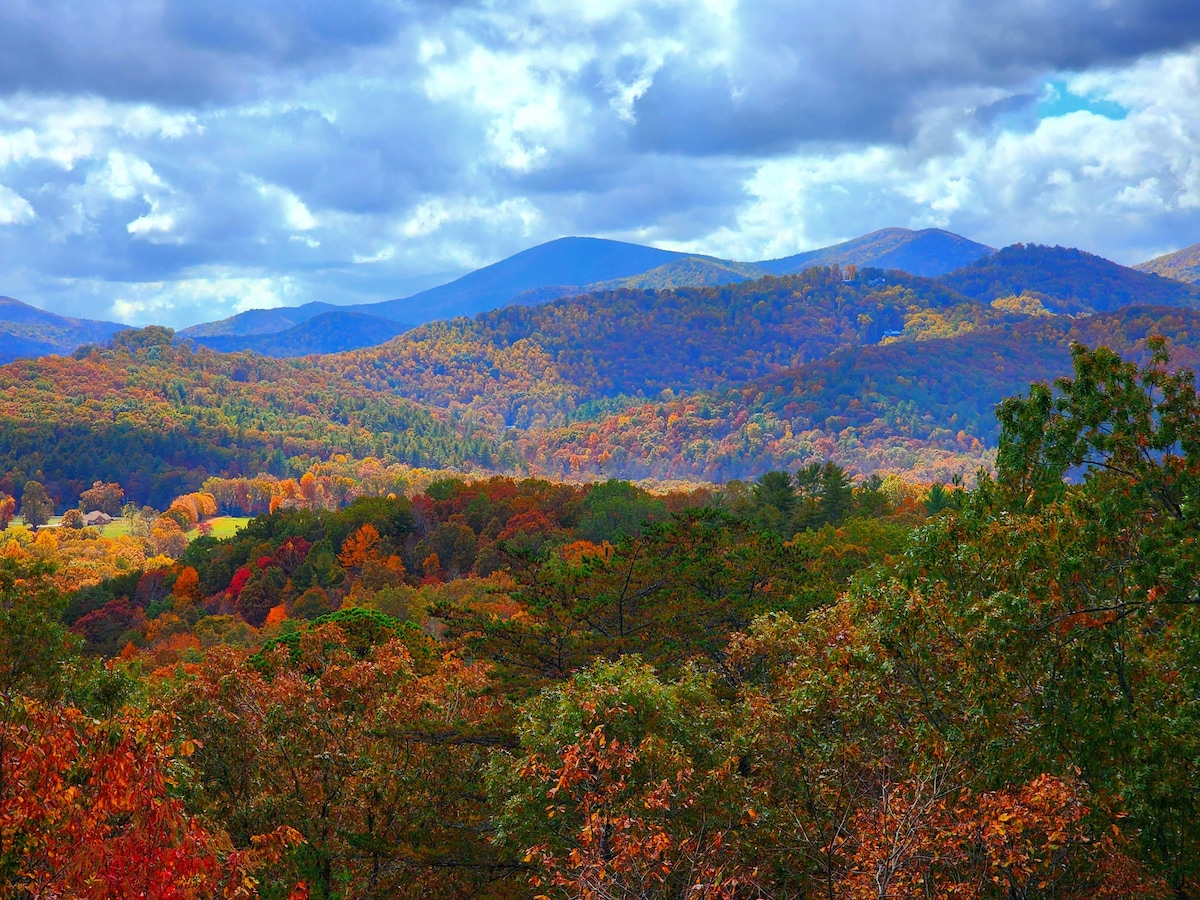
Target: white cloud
(14, 209)
(295, 214)
(216, 295)
(385, 255)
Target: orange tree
(625, 786)
(364, 740)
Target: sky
(178, 161)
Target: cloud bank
(176, 161)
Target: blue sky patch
(1057, 100)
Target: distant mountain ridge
(259, 321)
(28, 331)
(1182, 265)
(332, 331)
(930, 252)
(581, 265)
(1064, 280)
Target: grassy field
(118, 527)
(223, 526)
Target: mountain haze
(578, 265)
(332, 331)
(258, 321)
(566, 261)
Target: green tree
(836, 496)
(36, 506)
(774, 501)
(1052, 623)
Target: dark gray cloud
(180, 51)
(864, 70)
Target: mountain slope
(258, 321)
(691, 271)
(1182, 265)
(26, 331)
(522, 366)
(327, 332)
(925, 409)
(160, 419)
(1071, 280)
(566, 261)
(929, 252)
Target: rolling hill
(1182, 265)
(28, 331)
(523, 366)
(160, 418)
(924, 409)
(1068, 280)
(258, 321)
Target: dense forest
(806, 684)
(161, 418)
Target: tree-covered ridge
(691, 271)
(160, 419)
(925, 408)
(532, 366)
(1182, 265)
(1073, 281)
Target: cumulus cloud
(177, 160)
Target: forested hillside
(925, 408)
(161, 418)
(1072, 281)
(524, 366)
(507, 689)
(1182, 265)
(880, 371)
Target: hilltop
(929, 252)
(1069, 280)
(1182, 265)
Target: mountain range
(577, 266)
(879, 369)
(564, 267)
